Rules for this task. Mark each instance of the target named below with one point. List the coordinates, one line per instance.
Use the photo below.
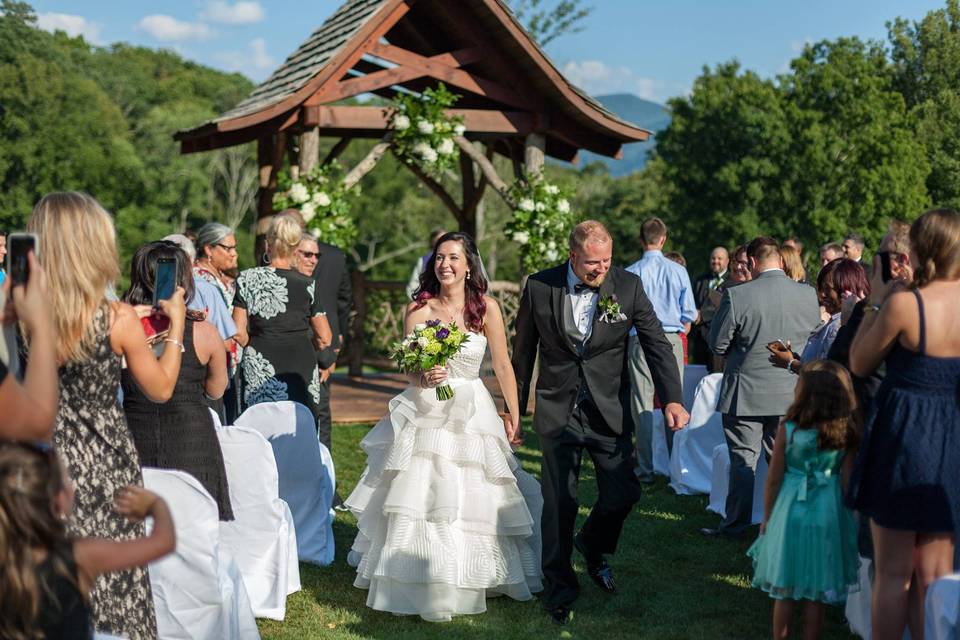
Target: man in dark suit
(754, 395)
(705, 293)
(579, 315)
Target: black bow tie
(581, 287)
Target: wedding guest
(179, 433)
(853, 246)
(707, 292)
(208, 299)
(740, 272)
(807, 548)
(905, 479)
(792, 264)
(667, 285)
(280, 338)
(413, 283)
(216, 255)
(677, 257)
(796, 243)
(830, 252)
(753, 395)
(93, 336)
(47, 572)
(28, 409)
(309, 252)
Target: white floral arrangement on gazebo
(423, 134)
(323, 201)
(541, 223)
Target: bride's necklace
(456, 312)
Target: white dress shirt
(583, 304)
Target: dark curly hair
(475, 306)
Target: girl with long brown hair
(45, 575)
(807, 549)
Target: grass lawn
(674, 583)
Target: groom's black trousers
(619, 489)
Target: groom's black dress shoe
(561, 614)
(597, 568)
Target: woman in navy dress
(907, 475)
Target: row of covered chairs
(223, 575)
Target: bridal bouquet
(429, 345)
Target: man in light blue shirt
(667, 284)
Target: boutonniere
(609, 307)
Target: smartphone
(777, 345)
(164, 280)
(885, 272)
(19, 245)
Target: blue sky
(652, 48)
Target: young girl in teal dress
(807, 549)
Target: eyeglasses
(310, 254)
(229, 248)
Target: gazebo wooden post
(265, 165)
(309, 150)
(534, 151)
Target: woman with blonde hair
(79, 254)
(792, 264)
(905, 479)
(280, 323)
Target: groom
(580, 314)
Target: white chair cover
(306, 474)
(261, 537)
(942, 616)
(691, 461)
(197, 591)
(721, 478)
(692, 374)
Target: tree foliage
(547, 23)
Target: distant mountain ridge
(646, 113)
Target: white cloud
(72, 25)
(255, 59)
(169, 29)
(598, 78)
(243, 12)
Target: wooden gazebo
(513, 101)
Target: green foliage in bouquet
(429, 345)
(323, 201)
(423, 132)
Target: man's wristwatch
(790, 366)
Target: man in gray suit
(754, 395)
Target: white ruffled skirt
(446, 516)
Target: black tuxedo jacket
(603, 363)
(333, 287)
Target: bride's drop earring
(468, 275)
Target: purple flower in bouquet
(433, 323)
(443, 333)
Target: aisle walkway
(365, 399)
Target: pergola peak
(509, 88)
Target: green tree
(546, 24)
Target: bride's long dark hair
(475, 285)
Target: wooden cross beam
(376, 119)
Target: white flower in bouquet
(320, 199)
(308, 211)
(424, 127)
(541, 207)
(401, 122)
(521, 237)
(527, 205)
(446, 147)
(563, 206)
(459, 130)
(423, 341)
(420, 326)
(299, 193)
(552, 189)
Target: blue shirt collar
(572, 279)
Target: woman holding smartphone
(91, 435)
(179, 433)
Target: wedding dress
(446, 516)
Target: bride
(446, 516)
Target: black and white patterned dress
(279, 362)
(93, 440)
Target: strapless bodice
(466, 364)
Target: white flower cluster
(540, 223)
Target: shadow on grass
(674, 583)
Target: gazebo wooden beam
(338, 117)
